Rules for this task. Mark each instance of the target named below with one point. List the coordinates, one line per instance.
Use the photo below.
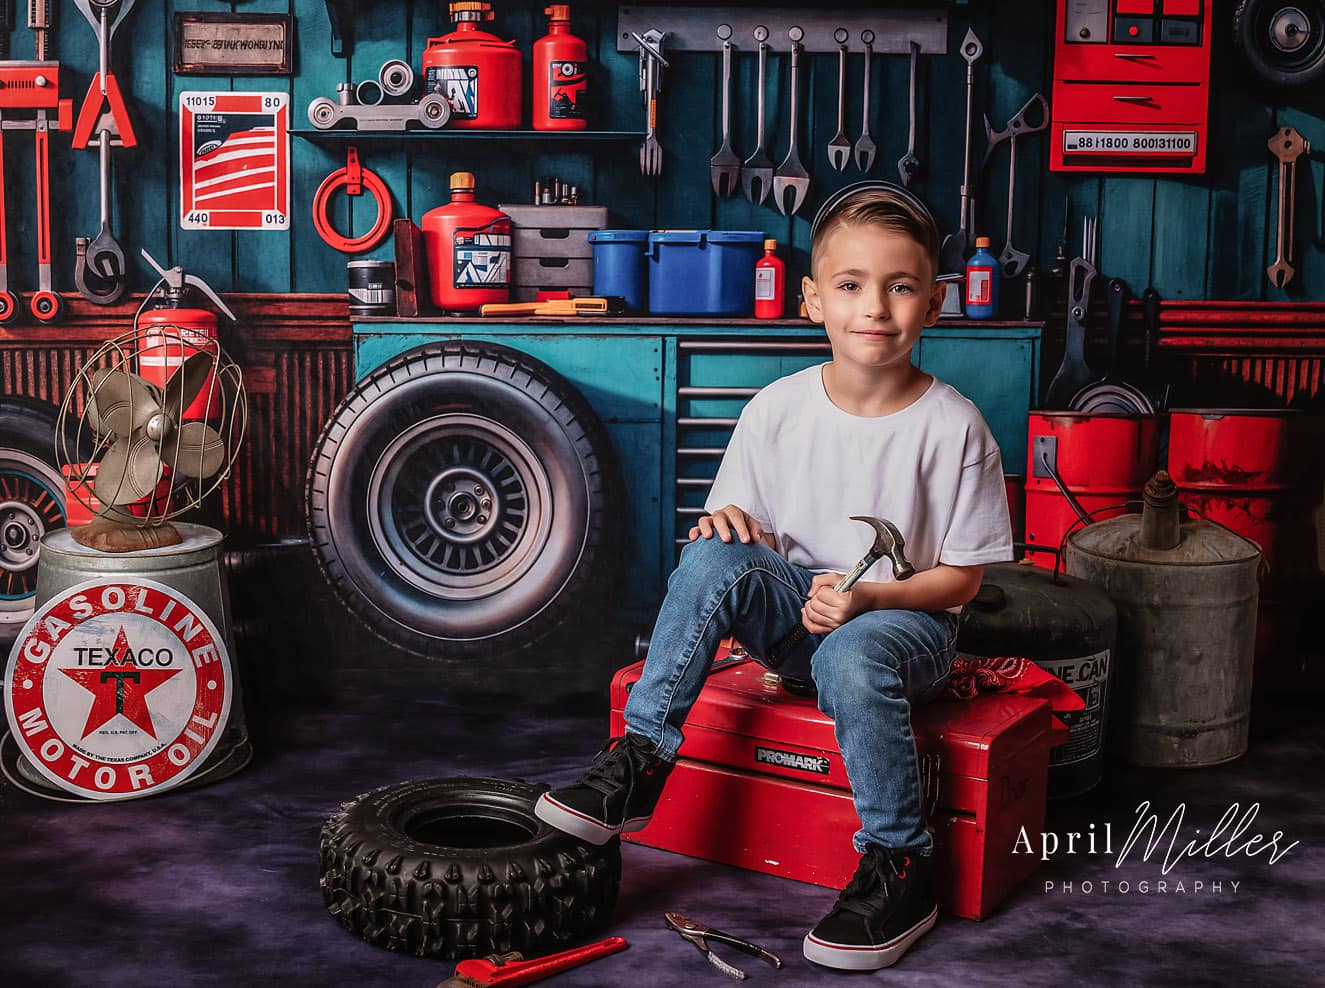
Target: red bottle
(468, 247)
(478, 73)
(770, 284)
(560, 60)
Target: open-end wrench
(888, 542)
(956, 245)
(99, 270)
(1287, 145)
(725, 166)
(865, 147)
(1012, 260)
(908, 163)
(1074, 373)
(791, 174)
(757, 170)
(839, 148)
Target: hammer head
(888, 542)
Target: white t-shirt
(803, 466)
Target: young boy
(867, 433)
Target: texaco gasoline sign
(118, 689)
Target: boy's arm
(931, 590)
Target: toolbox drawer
(553, 231)
(1125, 105)
(1141, 63)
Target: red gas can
(560, 79)
(468, 246)
(477, 72)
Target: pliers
(700, 935)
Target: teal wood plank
(262, 257)
(74, 45)
(142, 175)
(686, 134)
(1126, 222)
(1239, 174)
(427, 171)
(1178, 263)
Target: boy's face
(874, 291)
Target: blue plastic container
(620, 265)
(703, 272)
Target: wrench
(1012, 260)
(758, 168)
(865, 147)
(839, 148)
(1287, 145)
(955, 245)
(791, 174)
(725, 166)
(1016, 126)
(1074, 373)
(103, 258)
(908, 163)
(45, 305)
(651, 67)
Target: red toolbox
(759, 784)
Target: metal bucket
(1068, 628)
(1103, 460)
(1186, 634)
(172, 594)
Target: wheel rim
(31, 504)
(1292, 36)
(460, 506)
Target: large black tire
(457, 868)
(1284, 42)
(459, 500)
(31, 504)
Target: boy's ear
(812, 306)
(936, 303)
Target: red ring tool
(512, 970)
(354, 179)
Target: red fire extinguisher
(468, 246)
(560, 61)
(171, 332)
(478, 73)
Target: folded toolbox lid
(972, 737)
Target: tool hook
(699, 935)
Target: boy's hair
(879, 205)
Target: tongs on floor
(701, 935)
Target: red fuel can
(478, 73)
(560, 78)
(468, 246)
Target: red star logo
(120, 687)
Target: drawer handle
(1135, 99)
(1133, 54)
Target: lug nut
(482, 519)
(448, 523)
(486, 503)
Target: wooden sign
(233, 44)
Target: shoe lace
(613, 766)
(868, 893)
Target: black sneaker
(617, 794)
(886, 907)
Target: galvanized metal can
(191, 572)
(1186, 632)
(372, 288)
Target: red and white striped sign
(234, 161)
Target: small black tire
(460, 502)
(457, 868)
(1283, 42)
(32, 504)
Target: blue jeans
(868, 672)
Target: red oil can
(560, 79)
(468, 246)
(478, 73)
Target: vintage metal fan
(157, 450)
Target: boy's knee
(707, 554)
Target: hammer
(888, 542)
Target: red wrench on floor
(511, 970)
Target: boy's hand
(725, 521)
(826, 609)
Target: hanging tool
(1013, 261)
(39, 22)
(1111, 394)
(512, 970)
(957, 245)
(888, 542)
(699, 935)
(791, 174)
(757, 170)
(725, 166)
(100, 270)
(865, 147)
(839, 148)
(651, 65)
(354, 178)
(1287, 145)
(909, 163)
(1074, 373)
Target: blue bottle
(982, 282)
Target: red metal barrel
(1103, 460)
(1257, 472)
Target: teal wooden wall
(1206, 237)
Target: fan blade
(128, 472)
(196, 450)
(186, 382)
(121, 402)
